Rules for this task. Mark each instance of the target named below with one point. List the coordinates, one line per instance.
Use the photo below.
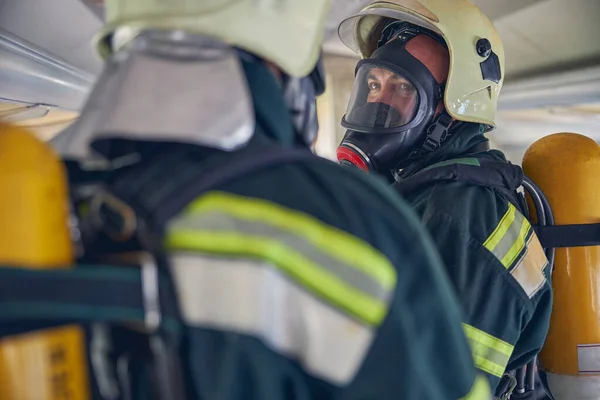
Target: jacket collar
(273, 120)
(463, 138)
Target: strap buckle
(511, 387)
(113, 216)
(437, 132)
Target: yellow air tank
(566, 166)
(34, 233)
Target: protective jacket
(296, 283)
(305, 281)
(467, 200)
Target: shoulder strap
(577, 235)
(161, 187)
(478, 172)
(503, 178)
(80, 294)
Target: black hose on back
(526, 376)
(543, 212)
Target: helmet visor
(361, 32)
(381, 99)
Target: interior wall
(331, 106)
(43, 121)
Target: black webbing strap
(501, 177)
(494, 176)
(557, 236)
(157, 191)
(81, 294)
(163, 189)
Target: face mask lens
(381, 99)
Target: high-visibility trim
(519, 241)
(501, 241)
(338, 267)
(490, 354)
(516, 246)
(529, 269)
(222, 223)
(480, 390)
(508, 239)
(253, 297)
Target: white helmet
(476, 51)
(287, 32)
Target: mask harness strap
(437, 132)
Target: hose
(526, 376)
(543, 211)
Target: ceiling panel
(550, 35)
(518, 129)
(63, 28)
(340, 10)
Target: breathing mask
(391, 114)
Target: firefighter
(425, 94)
(288, 281)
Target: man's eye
(374, 85)
(406, 87)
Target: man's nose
(386, 95)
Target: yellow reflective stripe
(310, 275)
(479, 391)
(353, 251)
(220, 224)
(508, 239)
(490, 354)
(501, 229)
(517, 246)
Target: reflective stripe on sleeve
(505, 239)
(516, 246)
(335, 266)
(489, 353)
(253, 297)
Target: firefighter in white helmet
(425, 93)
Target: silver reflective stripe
(215, 221)
(529, 270)
(516, 246)
(337, 267)
(254, 298)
